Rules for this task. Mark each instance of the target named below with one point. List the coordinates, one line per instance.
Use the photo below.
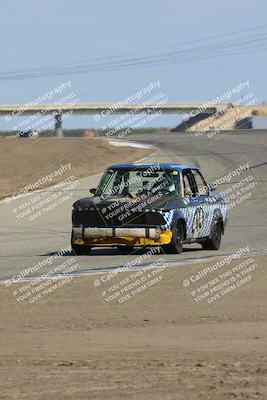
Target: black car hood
(148, 203)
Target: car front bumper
(120, 236)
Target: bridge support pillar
(58, 126)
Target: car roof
(173, 166)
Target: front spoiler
(120, 236)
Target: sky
(109, 50)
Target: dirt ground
(161, 345)
(23, 161)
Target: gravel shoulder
(160, 345)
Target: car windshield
(139, 181)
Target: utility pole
(58, 126)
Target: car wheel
(81, 250)
(125, 249)
(178, 235)
(215, 240)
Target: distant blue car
(138, 205)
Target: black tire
(125, 249)
(178, 236)
(81, 250)
(215, 240)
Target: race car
(138, 205)
(27, 134)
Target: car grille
(96, 218)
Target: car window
(188, 183)
(112, 182)
(200, 186)
(139, 181)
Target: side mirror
(93, 190)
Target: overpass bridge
(105, 108)
(192, 110)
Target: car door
(197, 210)
(204, 207)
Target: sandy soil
(23, 161)
(158, 346)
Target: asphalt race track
(25, 242)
